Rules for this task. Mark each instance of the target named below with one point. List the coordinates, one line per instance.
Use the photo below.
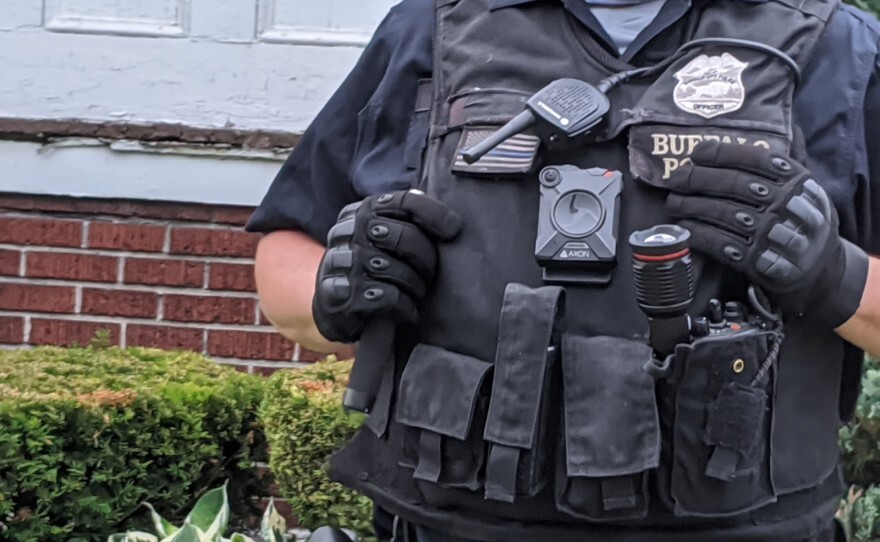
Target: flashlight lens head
(659, 241)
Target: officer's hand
(380, 257)
(765, 216)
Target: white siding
(251, 64)
(248, 64)
(127, 171)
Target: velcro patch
(515, 155)
(658, 151)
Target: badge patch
(710, 86)
(515, 155)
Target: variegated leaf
(273, 526)
(162, 526)
(211, 513)
(132, 537)
(187, 533)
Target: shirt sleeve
(868, 176)
(364, 123)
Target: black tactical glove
(765, 216)
(381, 255)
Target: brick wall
(163, 275)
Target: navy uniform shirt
(356, 144)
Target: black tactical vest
(522, 411)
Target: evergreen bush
(868, 5)
(89, 434)
(305, 423)
(860, 445)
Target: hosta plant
(207, 522)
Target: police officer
(519, 409)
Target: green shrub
(860, 445)
(860, 514)
(860, 440)
(305, 423)
(868, 5)
(88, 434)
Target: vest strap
(722, 464)
(501, 473)
(430, 457)
(619, 493)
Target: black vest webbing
(490, 435)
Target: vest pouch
(523, 393)
(721, 436)
(443, 398)
(611, 437)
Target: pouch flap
(734, 428)
(485, 106)
(714, 361)
(439, 389)
(528, 318)
(612, 425)
(735, 417)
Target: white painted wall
(249, 64)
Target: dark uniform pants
(385, 526)
(833, 534)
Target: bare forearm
(286, 266)
(863, 329)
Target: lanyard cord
(610, 83)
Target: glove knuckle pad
(806, 212)
(333, 291)
(337, 260)
(341, 233)
(349, 211)
(777, 269)
(790, 242)
(819, 198)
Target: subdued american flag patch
(516, 155)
